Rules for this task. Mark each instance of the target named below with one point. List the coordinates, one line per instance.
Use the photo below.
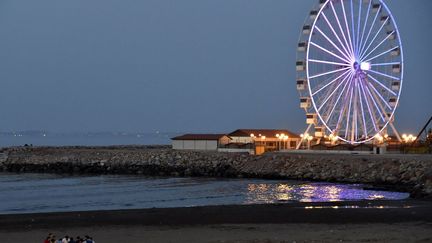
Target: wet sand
(376, 221)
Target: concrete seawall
(412, 173)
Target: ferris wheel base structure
(304, 136)
(349, 71)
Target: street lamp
(285, 138)
(408, 138)
(308, 138)
(279, 138)
(333, 139)
(379, 139)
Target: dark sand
(376, 221)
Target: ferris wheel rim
(363, 56)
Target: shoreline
(351, 212)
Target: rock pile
(411, 173)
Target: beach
(363, 221)
(248, 233)
(282, 220)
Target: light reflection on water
(26, 193)
(315, 192)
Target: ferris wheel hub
(364, 66)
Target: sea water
(31, 193)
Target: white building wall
(211, 145)
(188, 144)
(177, 144)
(195, 144)
(200, 145)
(241, 140)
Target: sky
(174, 66)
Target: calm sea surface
(49, 139)
(28, 193)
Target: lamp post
(308, 139)
(285, 138)
(279, 141)
(408, 138)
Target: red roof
(264, 132)
(199, 137)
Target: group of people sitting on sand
(52, 239)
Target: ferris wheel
(350, 69)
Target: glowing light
(366, 66)
(408, 138)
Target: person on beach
(66, 239)
(48, 238)
(88, 239)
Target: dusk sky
(174, 65)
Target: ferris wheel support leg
(302, 139)
(395, 131)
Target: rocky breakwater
(411, 173)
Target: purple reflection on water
(315, 192)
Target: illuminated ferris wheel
(350, 69)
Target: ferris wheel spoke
(358, 26)
(332, 106)
(354, 127)
(374, 101)
(332, 93)
(372, 116)
(331, 82)
(327, 51)
(381, 54)
(383, 74)
(349, 113)
(338, 98)
(340, 28)
(365, 24)
(380, 96)
(385, 64)
(382, 85)
(330, 72)
(387, 118)
(347, 58)
(376, 47)
(347, 28)
(344, 107)
(370, 30)
(354, 116)
(347, 53)
(374, 38)
(365, 131)
(328, 62)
